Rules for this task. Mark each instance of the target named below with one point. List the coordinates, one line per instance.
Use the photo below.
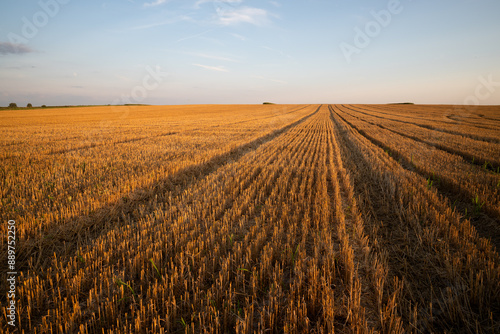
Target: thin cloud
(12, 48)
(231, 12)
(155, 3)
(277, 51)
(203, 55)
(242, 38)
(251, 15)
(268, 79)
(218, 3)
(20, 67)
(212, 68)
(162, 23)
(123, 78)
(192, 36)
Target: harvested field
(253, 219)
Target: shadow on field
(65, 237)
(490, 165)
(428, 127)
(410, 256)
(485, 222)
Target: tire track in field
(191, 232)
(307, 233)
(488, 118)
(379, 109)
(382, 111)
(474, 130)
(488, 227)
(373, 206)
(290, 182)
(216, 230)
(400, 228)
(270, 155)
(369, 112)
(410, 165)
(255, 119)
(429, 127)
(131, 140)
(477, 168)
(298, 156)
(354, 246)
(457, 119)
(123, 141)
(491, 165)
(457, 192)
(90, 226)
(384, 226)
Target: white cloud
(208, 56)
(212, 68)
(162, 23)
(269, 79)
(256, 16)
(231, 12)
(155, 3)
(218, 3)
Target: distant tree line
(29, 105)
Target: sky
(73, 52)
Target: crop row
(291, 219)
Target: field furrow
(484, 154)
(420, 234)
(486, 135)
(254, 219)
(439, 114)
(44, 233)
(469, 188)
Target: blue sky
(58, 52)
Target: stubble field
(253, 219)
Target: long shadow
(485, 223)
(424, 285)
(490, 165)
(461, 121)
(64, 238)
(457, 119)
(429, 127)
(124, 141)
(260, 119)
(488, 118)
(484, 126)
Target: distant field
(253, 218)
